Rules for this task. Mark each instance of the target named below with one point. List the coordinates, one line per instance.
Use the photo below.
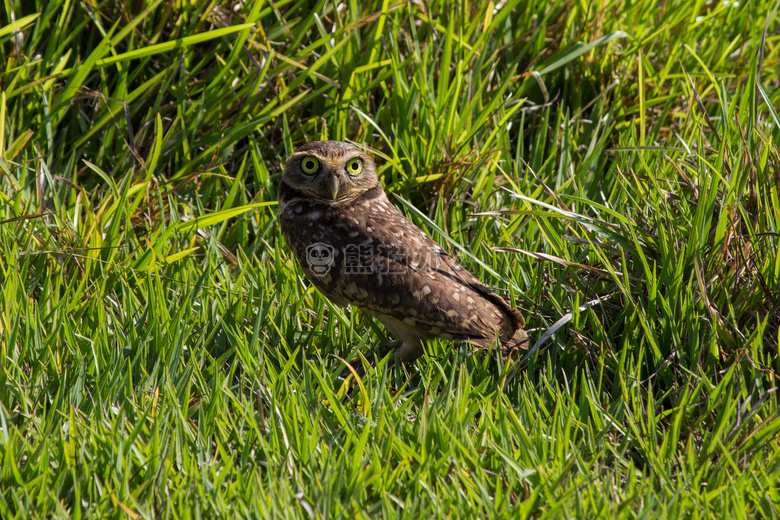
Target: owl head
(330, 172)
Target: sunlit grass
(614, 164)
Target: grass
(614, 164)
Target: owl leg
(408, 351)
(411, 338)
(381, 352)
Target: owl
(358, 249)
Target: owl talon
(378, 355)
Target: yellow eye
(310, 165)
(354, 167)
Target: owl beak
(333, 186)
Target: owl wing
(401, 273)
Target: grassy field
(613, 165)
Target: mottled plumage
(358, 249)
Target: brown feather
(358, 249)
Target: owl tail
(518, 341)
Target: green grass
(616, 163)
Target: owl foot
(378, 355)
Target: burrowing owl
(356, 248)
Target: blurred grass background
(614, 163)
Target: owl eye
(310, 165)
(354, 167)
